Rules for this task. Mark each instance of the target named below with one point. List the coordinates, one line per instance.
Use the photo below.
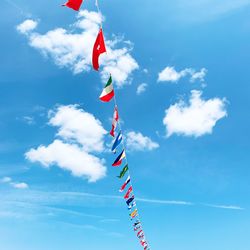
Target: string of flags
(121, 162)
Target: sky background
(183, 101)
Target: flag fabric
(114, 122)
(137, 228)
(98, 49)
(108, 91)
(137, 223)
(119, 159)
(130, 200)
(123, 172)
(125, 184)
(134, 214)
(73, 4)
(132, 205)
(126, 196)
(139, 233)
(117, 142)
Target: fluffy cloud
(141, 88)
(73, 48)
(69, 157)
(138, 142)
(76, 125)
(27, 26)
(169, 74)
(80, 136)
(196, 118)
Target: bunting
(107, 95)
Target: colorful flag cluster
(107, 95)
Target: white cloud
(69, 157)
(81, 135)
(196, 118)
(169, 74)
(21, 185)
(138, 142)
(141, 88)
(27, 26)
(72, 48)
(77, 125)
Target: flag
(125, 184)
(130, 200)
(134, 214)
(73, 4)
(114, 122)
(132, 205)
(126, 196)
(108, 91)
(143, 243)
(137, 228)
(98, 49)
(137, 223)
(140, 233)
(118, 160)
(123, 172)
(117, 142)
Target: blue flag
(117, 142)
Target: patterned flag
(74, 4)
(132, 205)
(119, 159)
(117, 142)
(134, 214)
(140, 233)
(125, 184)
(123, 172)
(98, 49)
(137, 223)
(108, 91)
(126, 196)
(114, 122)
(130, 200)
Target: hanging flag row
(107, 95)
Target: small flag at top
(74, 4)
(108, 91)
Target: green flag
(123, 172)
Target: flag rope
(123, 144)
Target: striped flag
(130, 190)
(125, 184)
(108, 91)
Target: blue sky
(186, 127)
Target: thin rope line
(123, 145)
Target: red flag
(99, 48)
(114, 122)
(128, 193)
(74, 4)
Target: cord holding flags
(107, 95)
